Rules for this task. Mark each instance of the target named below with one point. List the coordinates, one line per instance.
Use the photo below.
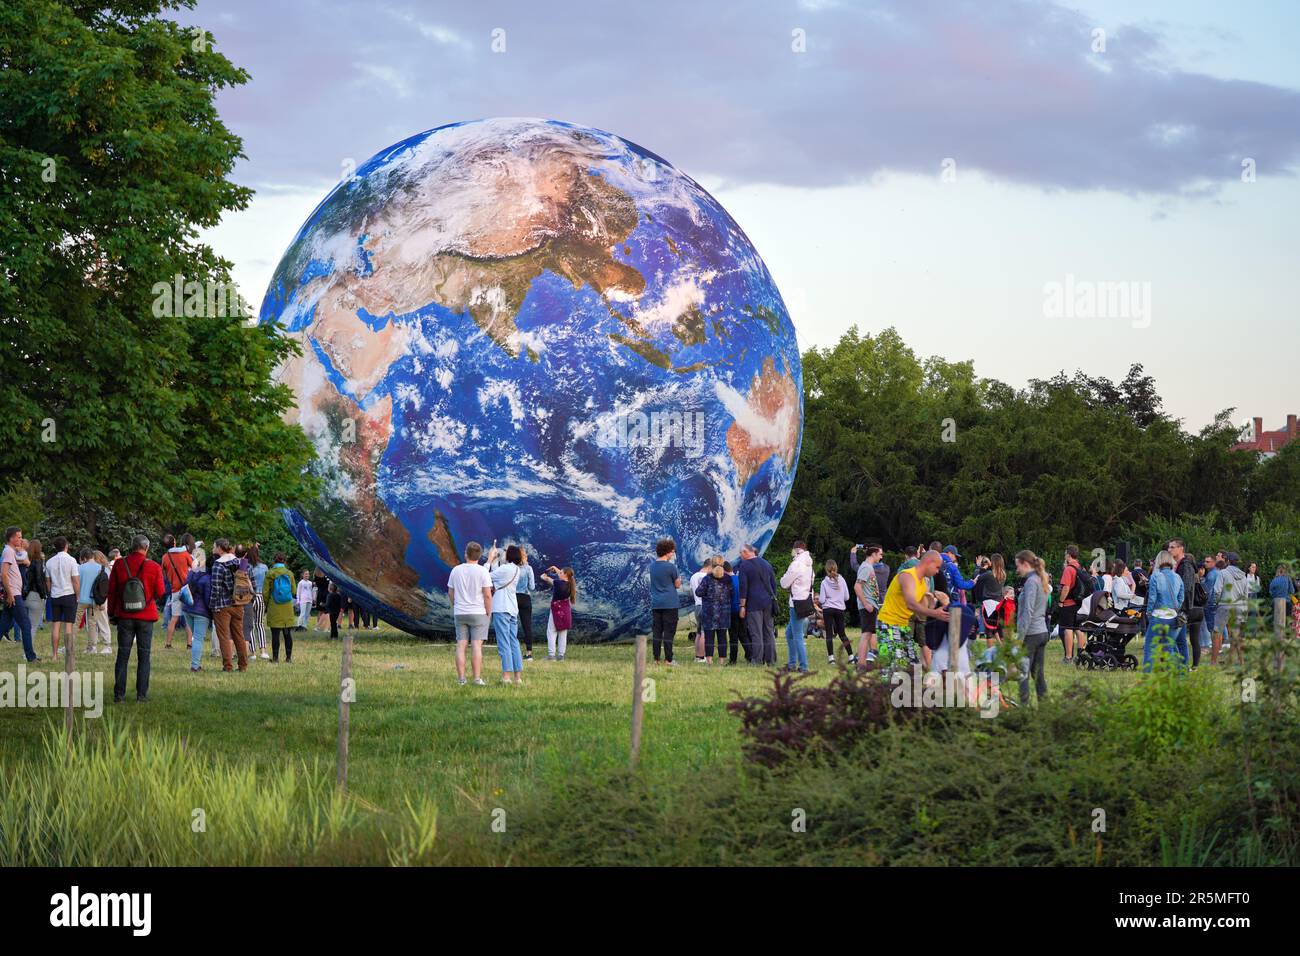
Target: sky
(1032, 186)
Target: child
(833, 598)
(334, 607)
(305, 593)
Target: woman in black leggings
(524, 587)
(833, 597)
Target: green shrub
(1168, 713)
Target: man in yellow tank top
(902, 601)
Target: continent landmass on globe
(472, 307)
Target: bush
(796, 719)
(1168, 713)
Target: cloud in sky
(1012, 89)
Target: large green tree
(113, 395)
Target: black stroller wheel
(1130, 662)
(1111, 663)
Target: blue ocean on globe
(531, 332)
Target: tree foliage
(901, 450)
(112, 157)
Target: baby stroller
(1108, 632)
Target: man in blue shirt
(664, 599)
(757, 604)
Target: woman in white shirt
(1119, 584)
(798, 578)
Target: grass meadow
(435, 768)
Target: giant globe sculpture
(533, 332)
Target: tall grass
(142, 798)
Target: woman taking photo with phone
(564, 591)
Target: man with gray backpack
(134, 588)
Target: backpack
(1082, 585)
(99, 590)
(281, 589)
(243, 592)
(133, 598)
(1199, 596)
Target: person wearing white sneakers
(306, 598)
(469, 589)
(65, 582)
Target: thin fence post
(638, 699)
(71, 658)
(345, 697)
(954, 635)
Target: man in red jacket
(134, 626)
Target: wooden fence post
(638, 700)
(345, 696)
(71, 658)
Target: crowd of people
(247, 610)
(233, 602)
(1185, 607)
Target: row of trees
(901, 449)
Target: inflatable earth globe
(534, 333)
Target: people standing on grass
(65, 581)
(321, 588)
(14, 614)
(255, 610)
(1031, 623)
(739, 636)
(869, 593)
(1075, 586)
(505, 612)
(134, 588)
(714, 594)
(227, 614)
(36, 588)
(306, 599)
(277, 597)
(525, 585)
(176, 563)
(1232, 595)
(987, 595)
(665, 605)
(333, 608)
(833, 597)
(696, 635)
(93, 610)
(902, 603)
(758, 604)
(1192, 614)
(798, 580)
(1166, 627)
(469, 589)
(564, 591)
(198, 612)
